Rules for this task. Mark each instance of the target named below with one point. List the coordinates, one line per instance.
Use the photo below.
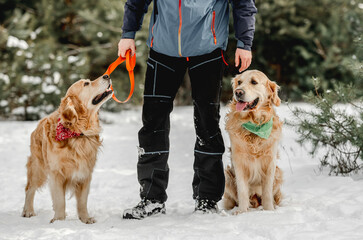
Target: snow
(46, 88)
(72, 59)
(16, 42)
(33, 35)
(56, 77)
(30, 79)
(3, 103)
(4, 78)
(315, 205)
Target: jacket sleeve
(244, 22)
(133, 17)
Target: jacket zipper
(152, 38)
(179, 31)
(213, 29)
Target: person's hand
(124, 45)
(243, 57)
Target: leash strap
(130, 65)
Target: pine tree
(334, 127)
(47, 45)
(297, 39)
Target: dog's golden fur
(254, 178)
(67, 164)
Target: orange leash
(130, 65)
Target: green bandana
(262, 131)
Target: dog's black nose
(239, 93)
(106, 77)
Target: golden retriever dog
(254, 130)
(64, 148)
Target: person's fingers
(119, 49)
(133, 50)
(123, 52)
(236, 59)
(249, 63)
(243, 64)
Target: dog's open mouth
(243, 106)
(102, 96)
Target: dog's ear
(274, 89)
(68, 112)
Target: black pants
(164, 76)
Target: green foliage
(46, 45)
(297, 39)
(334, 127)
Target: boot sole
(130, 216)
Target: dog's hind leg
(277, 186)
(82, 190)
(230, 193)
(255, 201)
(35, 179)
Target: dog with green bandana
(253, 179)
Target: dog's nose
(106, 77)
(239, 93)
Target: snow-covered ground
(316, 206)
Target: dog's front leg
(267, 186)
(82, 190)
(242, 185)
(57, 188)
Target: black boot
(145, 208)
(205, 206)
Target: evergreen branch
(100, 23)
(332, 129)
(86, 49)
(26, 8)
(320, 49)
(356, 106)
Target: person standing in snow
(184, 34)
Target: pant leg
(163, 78)
(206, 74)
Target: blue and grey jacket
(186, 28)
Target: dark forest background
(46, 45)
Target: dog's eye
(254, 82)
(86, 83)
(239, 82)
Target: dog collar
(262, 131)
(64, 133)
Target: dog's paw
(56, 218)
(239, 211)
(268, 207)
(89, 220)
(28, 214)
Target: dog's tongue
(240, 106)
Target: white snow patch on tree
(31, 79)
(5, 78)
(16, 42)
